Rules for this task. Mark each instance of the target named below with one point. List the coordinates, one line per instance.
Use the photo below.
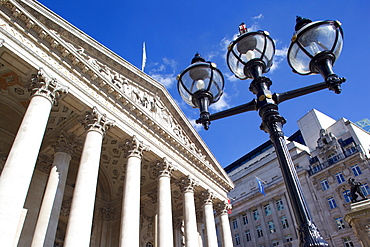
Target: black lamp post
(314, 49)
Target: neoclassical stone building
(326, 154)
(94, 152)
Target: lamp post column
(272, 123)
(18, 169)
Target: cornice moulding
(90, 74)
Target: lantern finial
(300, 22)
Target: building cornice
(182, 137)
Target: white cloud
(260, 16)
(280, 54)
(221, 104)
(166, 80)
(255, 27)
(164, 72)
(196, 126)
(230, 77)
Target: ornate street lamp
(314, 49)
(200, 85)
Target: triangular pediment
(147, 103)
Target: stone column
(359, 219)
(18, 169)
(187, 186)
(80, 219)
(222, 210)
(48, 218)
(165, 228)
(199, 215)
(130, 216)
(209, 219)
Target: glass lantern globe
(201, 79)
(313, 44)
(250, 51)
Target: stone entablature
(143, 110)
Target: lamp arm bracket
(250, 106)
(335, 86)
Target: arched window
(149, 244)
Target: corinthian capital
(43, 85)
(187, 184)
(207, 197)
(95, 120)
(165, 168)
(223, 208)
(65, 143)
(136, 147)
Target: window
(245, 219)
(284, 222)
(235, 224)
(279, 204)
(332, 203)
(275, 243)
(267, 209)
(340, 223)
(248, 235)
(256, 215)
(259, 231)
(347, 196)
(149, 244)
(356, 170)
(365, 189)
(347, 242)
(237, 239)
(288, 238)
(324, 184)
(340, 178)
(316, 168)
(351, 150)
(271, 226)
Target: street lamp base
(310, 237)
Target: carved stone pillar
(82, 208)
(18, 169)
(222, 210)
(200, 221)
(187, 186)
(47, 221)
(165, 229)
(359, 219)
(130, 216)
(209, 220)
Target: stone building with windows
(94, 152)
(326, 154)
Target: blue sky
(175, 30)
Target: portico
(94, 151)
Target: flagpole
(263, 181)
(143, 61)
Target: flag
(242, 28)
(144, 58)
(229, 210)
(261, 186)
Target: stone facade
(326, 153)
(93, 151)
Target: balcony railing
(317, 166)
